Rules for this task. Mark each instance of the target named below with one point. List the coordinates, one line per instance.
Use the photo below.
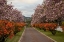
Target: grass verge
(16, 37)
(59, 37)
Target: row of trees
(51, 11)
(11, 20)
(8, 13)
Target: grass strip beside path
(59, 37)
(16, 37)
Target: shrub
(47, 26)
(7, 29)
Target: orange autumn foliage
(50, 26)
(19, 29)
(46, 26)
(35, 25)
(20, 24)
(8, 28)
(11, 35)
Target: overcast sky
(26, 6)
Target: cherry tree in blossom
(8, 13)
(49, 11)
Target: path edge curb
(45, 35)
(22, 35)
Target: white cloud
(28, 1)
(26, 6)
(25, 1)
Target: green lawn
(59, 37)
(16, 37)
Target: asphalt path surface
(32, 35)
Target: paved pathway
(32, 35)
